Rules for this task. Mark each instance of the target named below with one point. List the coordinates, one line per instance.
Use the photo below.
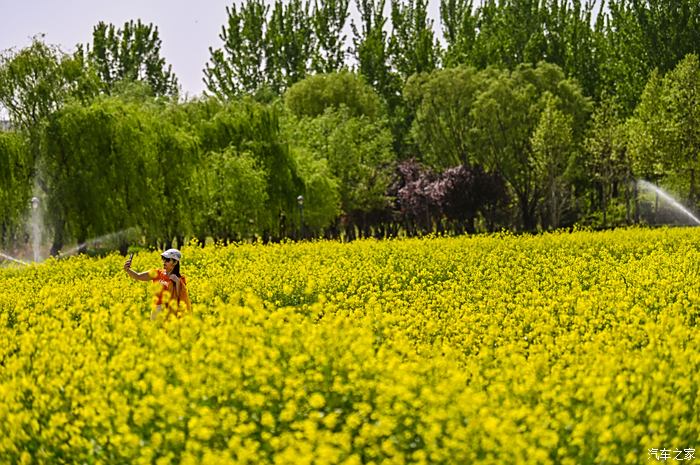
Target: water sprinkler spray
(668, 198)
(36, 228)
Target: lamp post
(300, 202)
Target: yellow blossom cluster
(561, 348)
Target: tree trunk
(691, 194)
(554, 217)
(527, 210)
(57, 244)
(604, 201)
(635, 190)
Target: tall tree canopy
(413, 47)
(329, 21)
(37, 80)
(131, 53)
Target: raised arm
(143, 276)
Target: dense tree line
(529, 115)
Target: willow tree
(37, 80)
(15, 186)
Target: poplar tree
(129, 54)
(239, 66)
(412, 44)
(329, 19)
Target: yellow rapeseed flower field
(563, 348)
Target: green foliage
(506, 114)
(412, 45)
(313, 95)
(523, 124)
(496, 104)
(510, 33)
(250, 127)
(239, 67)
(131, 53)
(681, 106)
(36, 81)
(321, 191)
(645, 35)
(507, 33)
(329, 20)
(291, 42)
(442, 102)
(358, 153)
(371, 50)
(606, 162)
(265, 50)
(553, 149)
(230, 194)
(459, 30)
(15, 186)
(114, 165)
(644, 132)
(664, 132)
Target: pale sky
(187, 28)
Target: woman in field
(172, 289)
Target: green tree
(510, 33)
(15, 187)
(681, 105)
(459, 30)
(370, 48)
(113, 165)
(265, 51)
(442, 102)
(291, 43)
(643, 35)
(321, 192)
(240, 66)
(644, 131)
(246, 126)
(131, 53)
(552, 150)
(412, 44)
(574, 41)
(37, 80)
(329, 19)
(313, 95)
(358, 153)
(606, 162)
(230, 194)
(507, 33)
(664, 134)
(506, 114)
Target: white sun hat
(172, 254)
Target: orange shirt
(166, 285)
